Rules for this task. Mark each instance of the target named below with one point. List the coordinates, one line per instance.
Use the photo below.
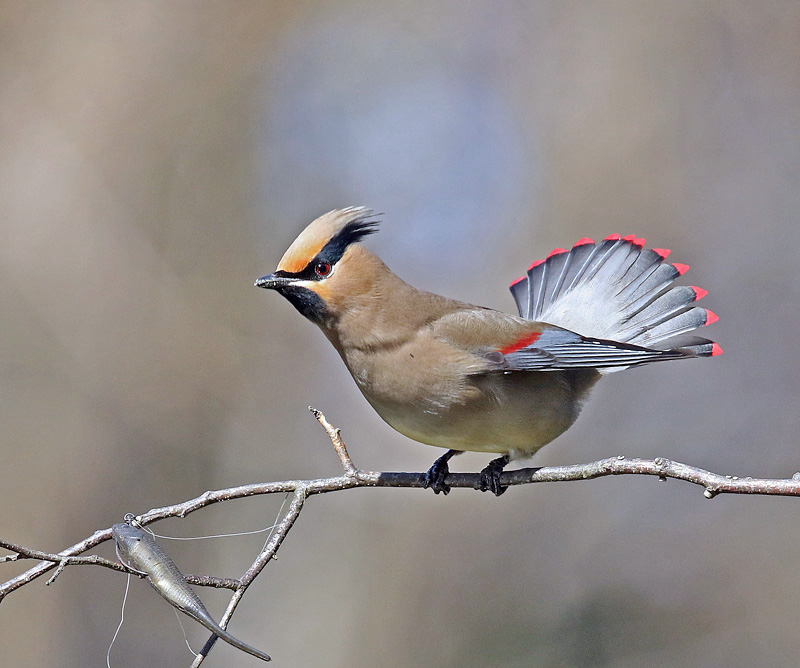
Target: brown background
(156, 158)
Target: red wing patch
(524, 342)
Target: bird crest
(328, 237)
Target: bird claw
(436, 474)
(490, 476)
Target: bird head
(326, 267)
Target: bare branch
(338, 444)
(20, 552)
(40, 569)
(712, 484)
(209, 581)
(261, 561)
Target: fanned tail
(617, 290)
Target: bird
(471, 378)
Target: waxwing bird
(465, 377)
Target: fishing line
(121, 619)
(185, 637)
(270, 528)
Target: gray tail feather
(616, 289)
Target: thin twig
(209, 581)
(19, 552)
(338, 444)
(261, 561)
(712, 483)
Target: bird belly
(494, 412)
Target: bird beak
(273, 281)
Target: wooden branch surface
(712, 483)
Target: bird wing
(558, 348)
(509, 343)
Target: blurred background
(156, 158)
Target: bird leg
(436, 474)
(490, 476)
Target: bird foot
(436, 474)
(490, 476)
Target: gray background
(156, 158)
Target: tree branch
(262, 560)
(19, 552)
(712, 483)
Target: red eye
(322, 269)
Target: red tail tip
(639, 241)
(663, 252)
(584, 241)
(630, 237)
(557, 251)
(612, 237)
(715, 349)
(535, 264)
(699, 293)
(711, 317)
(519, 280)
(682, 268)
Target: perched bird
(139, 551)
(465, 377)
